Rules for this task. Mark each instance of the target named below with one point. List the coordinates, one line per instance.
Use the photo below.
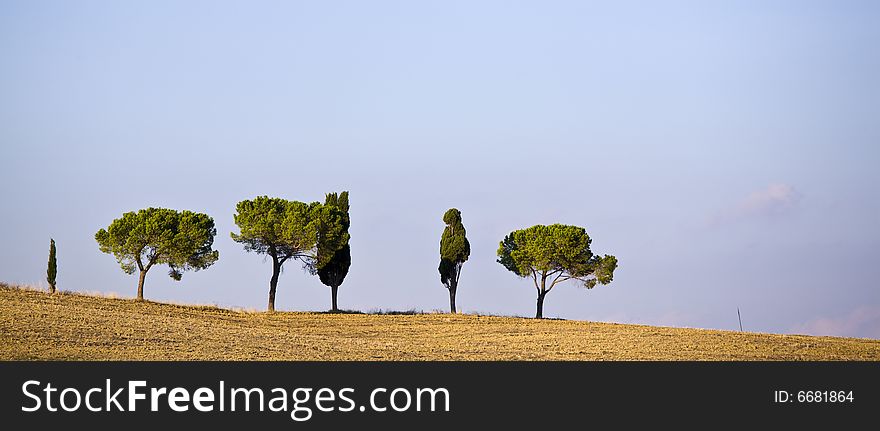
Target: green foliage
(181, 239)
(334, 271)
(332, 224)
(454, 245)
(289, 229)
(334, 241)
(454, 248)
(52, 270)
(558, 251)
(280, 228)
(338, 200)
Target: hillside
(35, 325)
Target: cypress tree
(454, 252)
(333, 272)
(52, 271)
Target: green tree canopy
(182, 240)
(286, 230)
(554, 253)
(333, 271)
(454, 252)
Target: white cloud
(863, 321)
(775, 198)
(772, 201)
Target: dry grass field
(36, 325)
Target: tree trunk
(452, 300)
(143, 276)
(334, 290)
(540, 313)
(453, 287)
(273, 283)
(51, 288)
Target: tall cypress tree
(333, 272)
(454, 252)
(52, 271)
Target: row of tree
(317, 235)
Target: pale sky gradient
(726, 152)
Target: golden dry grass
(36, 325)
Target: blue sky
(725, 152)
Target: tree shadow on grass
(377, 312)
